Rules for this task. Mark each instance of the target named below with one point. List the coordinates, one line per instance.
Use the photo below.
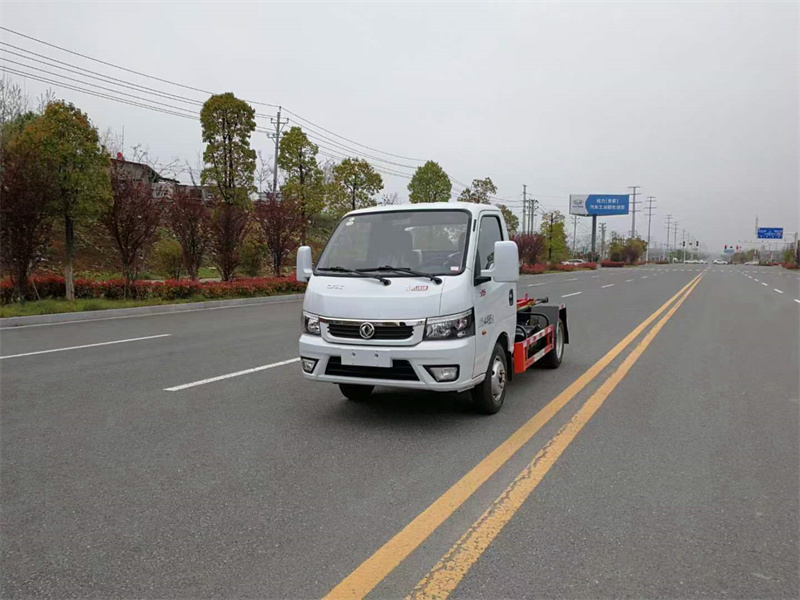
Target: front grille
(401, 370)
(382, 332)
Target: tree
(279, 224)
(14, 113)
(479, 192)
(552, 228)
(531, 246)
(304, 183)
(512, 221)
(429, 184)
(355, 183)
(229, 170)
(228, 229)
(390, 199)
(230, 162)
(26, 189)
(69, 146)
(190, 221)
(132, 219)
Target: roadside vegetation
(80, 223)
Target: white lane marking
(572, 294)
(777, 290)
(155, 314)
(609, 285)
(535, 284)
(645, 276)
(756, 279)
(573, 279)
(149, 337)
(628, 280)
(762, 283)
(177, 388)
(796, 300)
(595, 276)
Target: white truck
(423, 296)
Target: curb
(142, 311)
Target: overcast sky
(696, 102)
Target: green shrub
(167, 258)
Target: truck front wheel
(354, 392)
(490, 394)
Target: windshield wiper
(358, 273)
(433, 278)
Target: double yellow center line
(446, 575)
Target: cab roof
(473, 208)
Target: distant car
(702, 261)
(751, 263)
(573, 261)
(719, 261)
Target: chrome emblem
(367, 330)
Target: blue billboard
(599, 204)
(770, 233)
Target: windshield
(427, 241)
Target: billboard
(770, 233)
(599, 204)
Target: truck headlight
(450, 327)
(311, 324)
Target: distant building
(163, 187)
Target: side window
(490, 232)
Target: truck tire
(552, 359)
(489, 395)
(355, 392)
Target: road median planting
(110, 294)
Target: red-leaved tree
(279, 225)
(132, 220)
(26, 190)
(531, 246)
(228, 228)
(190, 220)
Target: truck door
(494, 302)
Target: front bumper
(425, 354)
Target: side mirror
(506, 263)
(304, 270)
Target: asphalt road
(683, 482)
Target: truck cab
(419, 296)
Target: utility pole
(602, 241)
(675, 236)
(633, 208)
(524, 208)
(650, 209)
(669, 218)
(550, 240)
(683, 243)
(574, 232)
(277, 135)
(533, 202)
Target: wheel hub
(498, 378)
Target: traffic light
(697, 244)
(726, 246)
(683, 243)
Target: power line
(196, 89)
(109, 64)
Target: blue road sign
(770, 233)
(599, 204)
(728, 250)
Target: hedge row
(790, 266)
(538, 269)
(612, 263)
(178, 289)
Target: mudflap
(549, 314)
